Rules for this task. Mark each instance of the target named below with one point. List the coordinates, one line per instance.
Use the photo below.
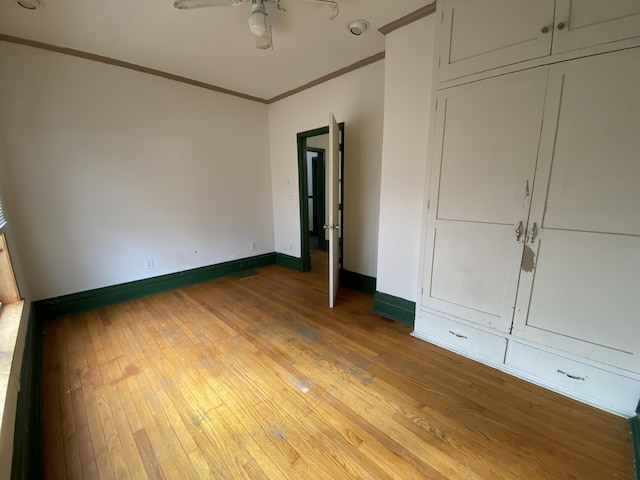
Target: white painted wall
(107, 168)
(407, 107)
(320, 141)
(357, 99)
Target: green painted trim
(395, 308)
(294, 263)
(343, 225)
(103, 297)
(357, 281)
(303, 193)
(634, 429)
(27, 461)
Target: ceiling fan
(258, 24)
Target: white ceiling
(212, 45)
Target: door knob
(518, 232)
(561, 26)
(533, 232)
(544, 29)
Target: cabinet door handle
(561, 26)
(545, 29)
(533, 232)
(459, 335)
(518, 232)
(572, 377)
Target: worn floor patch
(303, 385)
(310, 334)
(246, 274)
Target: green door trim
(634, 429)
(303, 192)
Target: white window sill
(10, 317)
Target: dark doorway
(305, 178)
(316, 186)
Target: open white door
(333, 224)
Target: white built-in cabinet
(531, 252)
(481, 35)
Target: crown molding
(407, 19)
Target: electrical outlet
(148, 264)
(254, 246)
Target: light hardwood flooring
(257, 378)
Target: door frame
(303, 191)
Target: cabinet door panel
(581, 294)
(469, 270)
(477, 36)
(485, 151)
(593, 22)
(586, 287)
(595, 178)
(490, 139)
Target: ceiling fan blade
(264, 42)
(332, 9)
(189, 4)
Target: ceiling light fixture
(258, 19)
(358, 27)
(30, 4)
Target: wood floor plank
(52, 431)
(148, 455)
(256, 377)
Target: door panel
(595, 180)
(581, 295)
(486, 144)
(478, 36)
(468, 277)
(488, 128)
(593, 22)
(584, 284)
(334, 204)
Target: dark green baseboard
(634, 428)
(28, 461)
(294, 263)
(103, 297)
(357, 281)
(395, 308)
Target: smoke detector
(358, 27)
(30, 4)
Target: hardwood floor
(256, 377)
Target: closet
(531, 252)
(478, 36)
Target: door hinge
(428, 204)
(436, 104)
(439, 61)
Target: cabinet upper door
(584, 23)
(484, 159)
(580, 292)
(477, 36)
